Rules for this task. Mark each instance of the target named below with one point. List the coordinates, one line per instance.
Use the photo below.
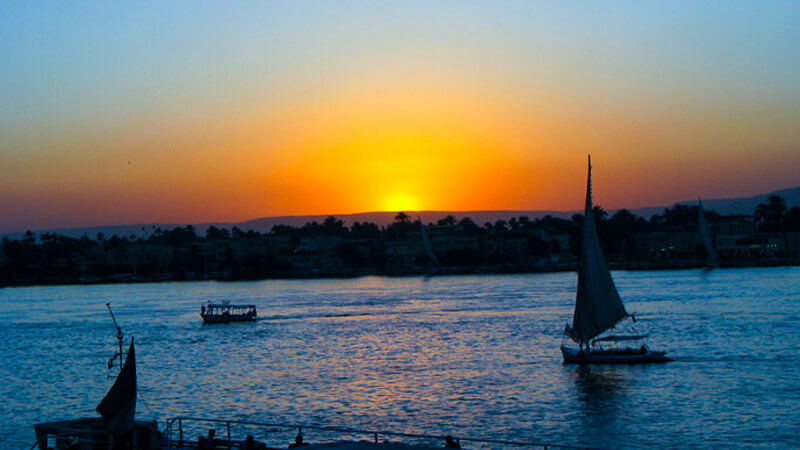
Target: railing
(178, 431)
(70, 441)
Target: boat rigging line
(120, 336)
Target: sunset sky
(191, 112)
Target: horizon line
(426, 211)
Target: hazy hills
(743, 205)
(746, 205)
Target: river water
(472, 356)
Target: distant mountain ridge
(725, 206)
(746, 205)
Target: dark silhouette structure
(449, 442)
(332, 249)
(298, 440)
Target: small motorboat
(224, 312)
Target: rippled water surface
(470, 356)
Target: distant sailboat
(426, 244)
(711, 262)
(598, 306)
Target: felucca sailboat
(711, 262)
(599, 308)
(433, 262)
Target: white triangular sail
(706, 234)
(426, 244)
(598, 306)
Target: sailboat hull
(627, 356)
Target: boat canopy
(598, 306)
(227, 308)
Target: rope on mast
(119, 339)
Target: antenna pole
(119, 334)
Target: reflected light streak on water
(469, 356)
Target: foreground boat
(181, 431)
(613, 356)
(116, 428)
(599, 308)
(225, 312)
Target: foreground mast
(117, 427)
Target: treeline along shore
(672, 239)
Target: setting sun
(401, 202)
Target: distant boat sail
(426, 244)
(706, 234)
(598, 306)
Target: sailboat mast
(598, 306)
(119, 336)
(589, 191)
(588, 222)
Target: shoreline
(411, 272)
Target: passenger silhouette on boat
(163, 440)
(449, 442)
(298, 440)
(207, 443)
(251, 444)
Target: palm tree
(333, 226)
(449, 220)
(772, 214)
(600, 214)
(402, 217)
(468, 225)
(524, 222)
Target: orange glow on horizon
(420, 148)
(401, 152)
(420, 106)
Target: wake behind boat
(224, 312)
(599, 308)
